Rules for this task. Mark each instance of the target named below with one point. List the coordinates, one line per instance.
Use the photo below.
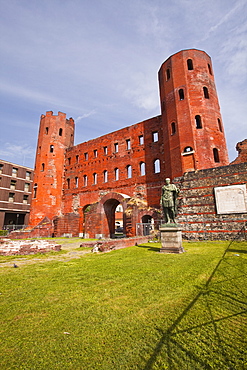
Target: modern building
(15, 194)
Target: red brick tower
(56, 133)
(193, 130)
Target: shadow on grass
(210, 332)
(150, 248)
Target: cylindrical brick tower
(193, 130)
(56, 134)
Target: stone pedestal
(171, 239)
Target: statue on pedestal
(168, 201)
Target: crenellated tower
(56, 134)
(194, 136)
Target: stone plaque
(231, 199)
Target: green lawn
(132, 308)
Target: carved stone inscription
(231, 199)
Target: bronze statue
(168, 201)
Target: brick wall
(197, 206)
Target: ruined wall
(241, 148)
(197, 207)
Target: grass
(132, 308)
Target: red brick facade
(79, 187)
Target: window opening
(77, 158)
(46, 130)
(129, 171)
(27, 187)
(142, 169)
(141, 140)
(76, 182)
(14, 172)
(168, 74)
(60, 132)
(116, 147)
(35, 187)
(173, 128)
(198, 121)
(128, 145)
(11, 197)
(25, 199)
(205, 91)
(155, 136)
(190, 64)
(1, 168)
(95, 153)
(209, 69)
(28, 175)
(86, 156)
(105, 176)
(216, 155)
(188, 149)
(157, 166)
(42, 167)
(85, 180)
(12, 184)
(95, 178)
(105, 150)
(181, 94)
(219, 125)
(68, 183)
(69, 160)
(116, 174)
(51, 148)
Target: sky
(97, 61)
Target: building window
(157, 166)
(216, 155)
(42, 167)
(85, 180)
(35, 187)
(105, 176)
(141, 140)
(95, 178)
(173, 128)
(60, 132)
(86, 156)
(77, 158)
(14, 172)
(46, 130)
(28, 175)
(105, 150)
(168, 74)
(1, 168)
(190, 64)
(25, 199)
(116, 147)
(11, 197)
(219, 125)
(198, 121)
(76, 182)
(128, 145)
(51, 148)
(69, 160)
(209, 69)
(205, 92)
(116, 174)
(188, 149)
(129, 171)
(142, 169)
(155, 136)
(12, 184)
(68, 183)
(95, 153)
(27, 187)
(181, 94)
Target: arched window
(116, 174)
(129, 171)
(76, 182)
(51, 148)
(95, 178)
(42, 167)
(105, 176)
(157, 166)
(35, 187)
(173, 128)
(188, 149)
(209, 69)
(68, 183)
(60, 132)
(142, 169)
(85, 180)
(46, 130)
(190, 64)
(219, 125)
(181, 94)
(168, 74)
(198, 121)
(205, 91)
(216, 155)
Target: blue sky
(97, 61)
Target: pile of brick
(10, 247)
